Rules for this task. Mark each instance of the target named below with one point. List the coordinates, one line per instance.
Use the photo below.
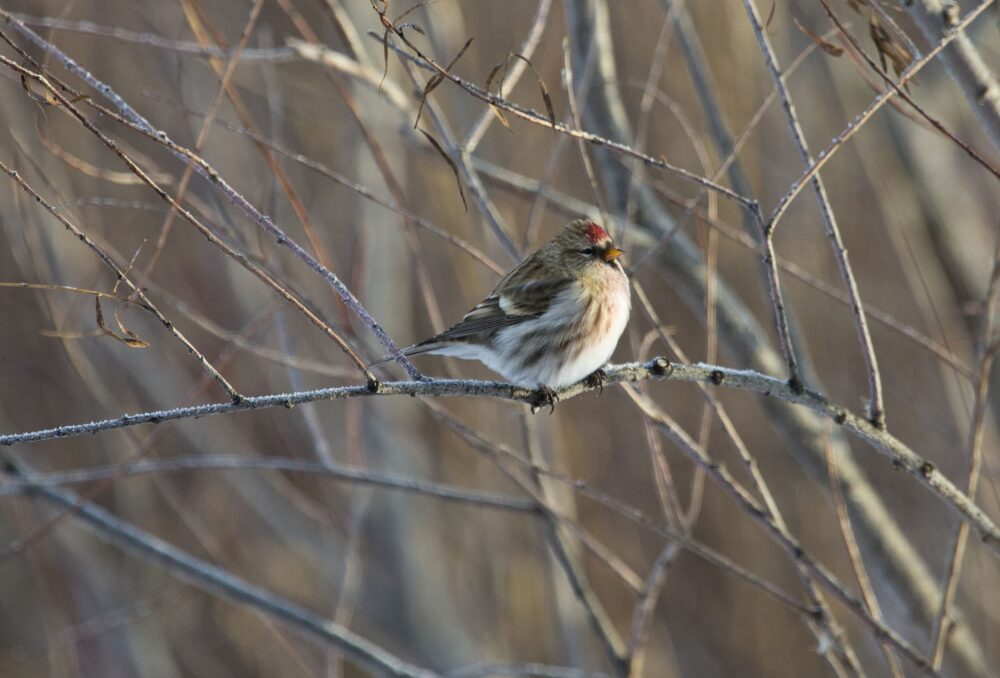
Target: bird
(552, 321)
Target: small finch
(553, 320)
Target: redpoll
(553, 320)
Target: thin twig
(375, 146)
(237, 256)
(876, 406)
(645, 606)
(853, 552)
(511, 76)
(617, 507)
(323, 170)
(775, 529)
(883, 98)
(567, 554)
(225, 75)
(543, 120)
(987, 353)
(364, 476)
(823, 624)
(216, 579)
(469, 176)
(571, 95)
(153, 40)
(121, 275)
(963, 62)
(234, 196)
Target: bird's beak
(611, 253)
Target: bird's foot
(597, 379)
(544, 397)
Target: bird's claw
(544, 397)
(597, 379)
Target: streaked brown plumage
(552, 320)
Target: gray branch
(207, 576)
(362, 476)
(214, 179)
(962, 60)
(896, 451)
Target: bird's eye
(590, 251)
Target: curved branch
(209, 577)
(901, 456)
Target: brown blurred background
(446, 584)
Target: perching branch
(901, 456)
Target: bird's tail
(416, 349)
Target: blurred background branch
(462, 536)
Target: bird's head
(583, 243)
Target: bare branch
(898, 453)
(215, 579)
(289, 465)
(876, 404)
(215, 179)
(965, 65)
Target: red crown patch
(595, 233)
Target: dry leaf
(489, 81)
(888, 47)
(45, 97)
(545, 90)
(130, 339)
(824, 45)
(770, 15)
(436, 80)
(451, 164)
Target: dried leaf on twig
(541, 85)
(387, 27)
(451, 164)
(127, 337)
(888, 46)
(489, 82)
(436, 80)
(770, 15)
(45, 98)
(493, 74)
(823, 44)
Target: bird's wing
(512, 302)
